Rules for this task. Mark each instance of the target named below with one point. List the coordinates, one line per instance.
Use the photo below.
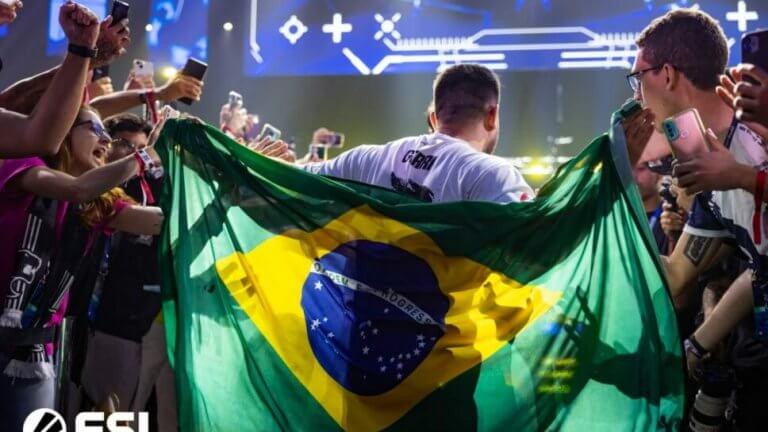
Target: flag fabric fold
(299, 302)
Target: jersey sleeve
(702, 221)
(498, 181)
(353, 164)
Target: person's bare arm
(140, 220)
(178, 87)
(735, 305)
(42, 132)
(51, 183)
(692, 256)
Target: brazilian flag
(299, 302)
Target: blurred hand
(672, 222)
(100, 87)
(684, 200)
(637, 131)
(321, 136)
(8, 13)
(233, 119)
(180, 86)
(695, 361)
(750, 101)
(716, 170)
(267, 147)
(309, 158)
(138, 82)
(80, 25)
(113, 41)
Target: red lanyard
(757, 219)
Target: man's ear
(672, 76)
(433, 120)
(491, 118)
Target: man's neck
(469, 134)
(715, 114)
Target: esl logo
(46, 420)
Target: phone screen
(754, 50)
(119, 12)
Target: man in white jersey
(681, 58)
(455, 163)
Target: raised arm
(42, 132)
(178, 87)
(50, 183)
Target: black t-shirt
(130, 299)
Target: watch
(82, 51)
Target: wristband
(692, 345)
(144, 161)
(82, 51)
(757, 219)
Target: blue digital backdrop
(340, 37)
(353, 37)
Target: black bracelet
(695, 344)
(82, 51)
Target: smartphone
(685, 133)
(271, 132)
(235, 99)
(119, 12)
(100, 72)
(196, 69)
(143, 68)
(754, 50)
(319, 151)
(335, 140)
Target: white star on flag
(416, 351)
(366, 350)
(375, 331)
(421, 344)
(420, 337)
(383, 368)
(318, 286)
(315, 324)
(380, 359)
(399, 376)
(408, 356)
(399, 365)
(331, 335)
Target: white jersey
(433, 168)
(728, 214)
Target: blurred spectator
(101, 87)
(127, 354)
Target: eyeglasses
(634, 78)
(123, 143)
(95, 127)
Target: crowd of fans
(78, 178)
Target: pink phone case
(691, 140)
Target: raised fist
(79, 24)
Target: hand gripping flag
(304, 303)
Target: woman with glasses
(55, 213)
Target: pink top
(14, 205)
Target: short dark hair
(691, 41)
(464, 92)
(127, 123)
